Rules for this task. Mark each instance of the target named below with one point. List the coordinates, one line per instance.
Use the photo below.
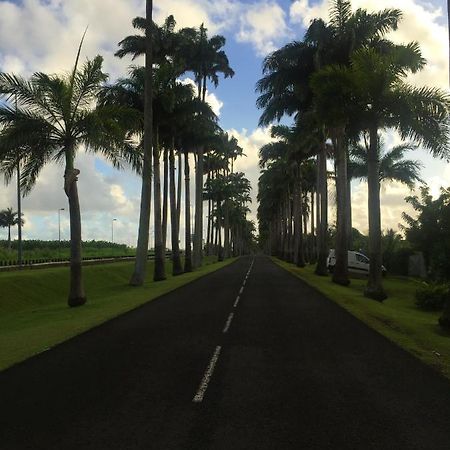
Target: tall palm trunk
(313, 253)
(208, 241)
(187, 215)
(322, 248)
(140, 265)
(159, 273)
(318, 212)
(19, 214)
(301, 248)
(340, 272)
(77, 296)
(285, 228)
(165, 199)
(349, 214)
(179, 188)
(219, 231)
(216, 237)
(374, 287)
(198, 227)
(297, 224)
(282, 229)
(290, 244)
(305, 233)
(9, 237)
(226, 229)
(177, 268)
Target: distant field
(50, 250)
(397, 318)
(34, 314)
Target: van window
(362, 258)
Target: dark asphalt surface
(295, 371)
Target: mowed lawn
(33, 303)
(397, 318)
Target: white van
(357, 263)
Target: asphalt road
(279, 368)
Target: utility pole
(112, 231)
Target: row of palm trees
(147, 118)
(344, 84)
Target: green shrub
(432, 296)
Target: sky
(43, 35)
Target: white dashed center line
(228, 323)
(198, 398)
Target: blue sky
(42, 35)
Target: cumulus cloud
(50, 33)
(392, 206)
(421, 22)
(264, 26)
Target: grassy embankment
(34, 314)
(397, 318)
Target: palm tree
(188, 50)
(158, 45)
(206, 60)
(393, 167)
(140, 265)
(56, 115)
(386, 101)
(8, 219)
(195, 129)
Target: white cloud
(439, 181)
(264, 26)
(50, 33)
(392, 206)
(421, 22)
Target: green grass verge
(397, 318)
(33, 311)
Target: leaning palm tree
(56, 116)
(8, 219)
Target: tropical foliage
(343, 85)
(154, 121)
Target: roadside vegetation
(345, 85)
(34, 250)
(151, 120)
(33, 316)
(398, 317)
